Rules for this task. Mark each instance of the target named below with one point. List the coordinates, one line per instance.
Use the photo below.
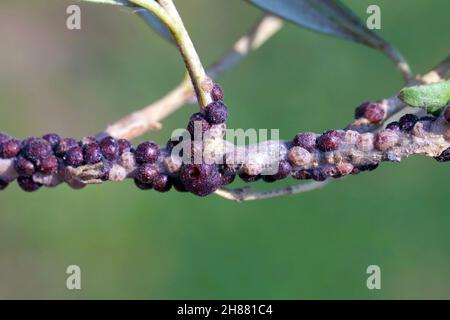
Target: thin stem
(200, 80)
(158, 11)
(147, 119)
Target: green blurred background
(133, 244)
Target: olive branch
(363, 144)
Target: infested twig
(338, 154)
(37, 162)
(391, 107)
(265, 28)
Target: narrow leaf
(331, 17)
(156, 24)
(432, 97)
(325, 16)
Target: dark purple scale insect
(65, 145)
(147, 152)
(329, 140)
(53, 139)
(10, 148)
(306, 140)
(74, 157)
(407, 122)
(92, 153)
(444, 156)
(27, 184)
(216, 112)
(200, 179)
(3, 184)
(162, 183)
(24, 167)
(217, 93)
(109, 148)
(146, 173)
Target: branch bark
(392, 106)
(359, 148)
(355, 150)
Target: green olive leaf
(154, 22)
(331, 18)
(432, 97)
